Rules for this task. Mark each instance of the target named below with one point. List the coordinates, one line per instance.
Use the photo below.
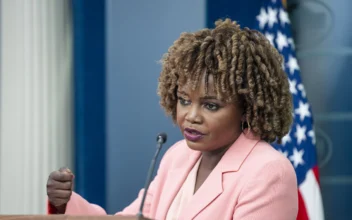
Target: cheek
(225, 124)
(179, 114)
(221, 125)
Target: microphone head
(161, 138)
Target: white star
(272, 16)
(293, 89)
(285, 139)
(262, 18)
(281, 41)
(311, 134)
(283, 17)
(300, 133)
(292, 64)
(303, 110)
(301, 88)
(285, 153)
(291, 42)
(270, 37)
(297, 157)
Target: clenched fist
(59, 189)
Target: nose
(193, 114)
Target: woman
(226, 90)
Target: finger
(67, 170)
(53, 184)
(62, 169)
(58, 202)
(60, 194)
(61, 176)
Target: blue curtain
(89, 99)
(244, 12)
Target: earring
(248, 126)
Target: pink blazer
(252, 181)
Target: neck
(211, 158)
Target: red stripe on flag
(302, 212)
(316, 173)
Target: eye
(211, 106)
(183, 101)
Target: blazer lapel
(213, 185)
(175, 178)
(208, 192)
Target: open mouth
(192, 135)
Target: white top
(184, 195)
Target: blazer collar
(238, 152)
(212, 186)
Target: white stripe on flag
(310, 192)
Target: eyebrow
(203, 98)
(209, 97)
(182, 93)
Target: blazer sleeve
(79, 206)
(271, 194)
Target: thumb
(67, 170)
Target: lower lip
(192, 137)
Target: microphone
(160, 139)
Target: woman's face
(207, 123)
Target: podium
(68, 217)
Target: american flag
(299, 144)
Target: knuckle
(55, 175)
(68, 195)
(64, 176)
(52, 194)
(61, 176)
(68, 185)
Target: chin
(197, 146)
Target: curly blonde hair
(246, 68)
